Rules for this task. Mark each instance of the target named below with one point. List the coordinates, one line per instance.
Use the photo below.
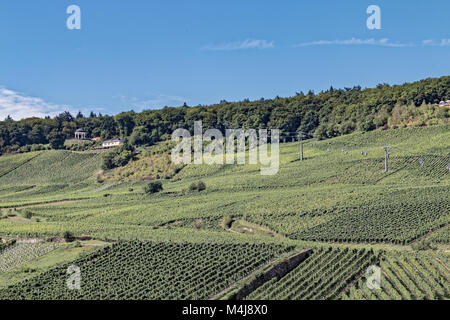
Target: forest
(328, 114)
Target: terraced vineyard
(19, 253)
(398, 222)
(341, 201)
(53, 167)
(408, 276)
(440, 236)
(323, 275)
(145, 270)
(11, 163)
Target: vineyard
(328, 272)
(53, 167)
(399, 222)
(408, 276)
(323, 275)
(11, 163)
(178, 244)
(19, 253)
(145, 270)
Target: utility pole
(300, 137)
(386, 158)
(225, 125)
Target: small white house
(444, 103)
(112, 143)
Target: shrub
(198, 224)
(201, 186)
(153, 187)
(197, 186)
(11, 213)
(422, 245)
(28, 270)
(27, 214)
(100, 179)
(37, 147)
(227, 221)
(118, 157)
(193, 186)
(68, 236)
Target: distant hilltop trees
(326, 114)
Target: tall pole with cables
(386, 159)
(300, 138)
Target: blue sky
(142, 54)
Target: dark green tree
(153, 187)
(56, 140)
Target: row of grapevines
(20, 253)
(407, 276)
(399, 222)
(323, 275)
(146, 270)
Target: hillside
(327, 114)
(49, 168)
(338, 198)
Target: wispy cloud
(150, 102)
(354, 41)
(438, 43)
(20, 106)
(240, 45)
